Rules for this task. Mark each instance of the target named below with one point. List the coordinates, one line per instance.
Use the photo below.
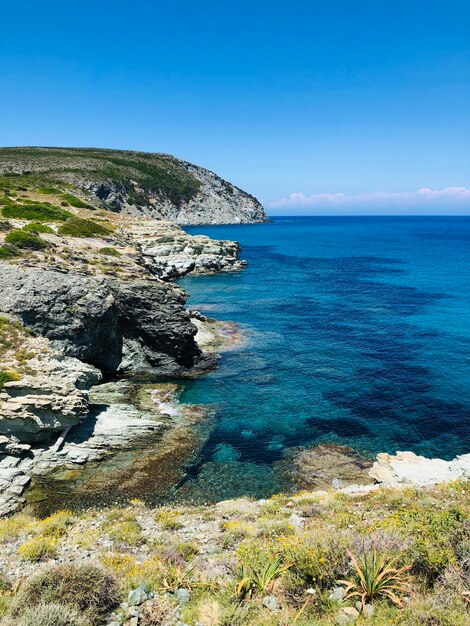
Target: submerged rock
(324, 466)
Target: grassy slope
(208, 550)
(137, 172)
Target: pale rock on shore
(171, 253)
(407, 468)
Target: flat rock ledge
(407, 468)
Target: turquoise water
(358, 333)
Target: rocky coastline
(93, 333)
(81, 317)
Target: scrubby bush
(161, 611)
(75, 202)
(40, 212)
(52, 615)
(23, 239)
(109, 251)
(127, 532)
(84, 587)
(238, 529)
(435, 533)
(55, 525)
(79, 227)
(37, 227)
(12, 527)
(38, 549)
(48, 190)
(8, 251)
(7, 376)
(168, 520)
(317, 560)
(131, 574)
(5, 226)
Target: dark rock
(134, 326)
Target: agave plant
(377, 577)
(177, 577)
(261, 578)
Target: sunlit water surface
(357, 333)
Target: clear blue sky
(295, 101)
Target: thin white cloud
(422, 198)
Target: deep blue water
(358, 333)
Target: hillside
(134, 183)
(277, 562)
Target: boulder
(271, 603)
(138, 596)
(348, 615)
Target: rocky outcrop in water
(171, 253)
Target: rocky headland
(160, 186)
(87, 300)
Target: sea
(356, 333)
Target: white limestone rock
(407, 468)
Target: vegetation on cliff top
(397, 557)
(138, 173)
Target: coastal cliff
(160, 186)
(87, 297)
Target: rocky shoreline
(72, 318)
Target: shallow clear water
(358, 333)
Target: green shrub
(40, 212)
(85, 587)
(7, 376)
(5, 226)
(23, 239)
(128, 532)
(434, 532)
(168, 520)
(8, 252)
(75, 202)
(78, 227)
(38, 549)
(109, 251)
(52, 615)
(48, 190)
(37, 227)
